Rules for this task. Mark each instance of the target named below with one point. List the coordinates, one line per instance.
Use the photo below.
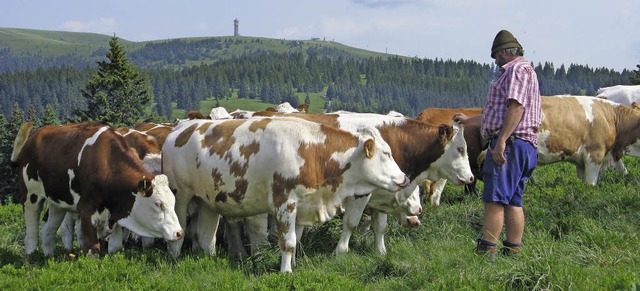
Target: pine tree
(8, 178)
(50, 117)
(636, 79)
(307, 99)
(117, 94)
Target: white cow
(219, 113)
(299, 171)
(623, 94)
(286, 108)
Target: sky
(600, 34)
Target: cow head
(453, 165)
(404, 204)
(375, 165)
(153, 212)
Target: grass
(576, 237)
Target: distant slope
(52, 43)
(22, 49)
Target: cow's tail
(21, 139)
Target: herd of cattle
(282, 165)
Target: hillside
(52, 43)
(27, 49)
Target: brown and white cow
(303, 108)
(592, 133)
(147, 149)
(241, 114)
(88, 169)
(297, 170)
(475, 145)
(422, 150)
(158, 130)
(196, 115)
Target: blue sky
(589, 32)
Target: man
(509, 122)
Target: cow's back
(445, 115)
(91, 151)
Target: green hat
(504, 40)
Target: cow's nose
(179, 235)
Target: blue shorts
(505, 183)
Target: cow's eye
(461, 151)
(160, 205)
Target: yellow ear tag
(144, 182)
(367, 153)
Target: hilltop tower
(236, 23)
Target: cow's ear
(445, 132)
(144, 187)
(369, 148)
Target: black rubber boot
(510, 249)
(487, 248)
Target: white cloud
(104, 25)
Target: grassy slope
(576, 237)
(54, 43)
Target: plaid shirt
(517, 81)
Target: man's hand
(460, 118)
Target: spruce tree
(50, 117)
(117, 94)
(636, 78)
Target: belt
(509, 141)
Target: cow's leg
(353, 209)
(379, 223)
(435, 197)
(78, 227)
(620, 167)
(32, 209)
(50, 228)
(67, 230)
(116, 239)
(182, 204)
(89, 234)
(286, 221)
(592, 173)
(147, 242)
(299, 233)
(258, 230)
(208, 220)
(233, 236)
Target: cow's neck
(414, 145)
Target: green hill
(52, 43)
(55, 48)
